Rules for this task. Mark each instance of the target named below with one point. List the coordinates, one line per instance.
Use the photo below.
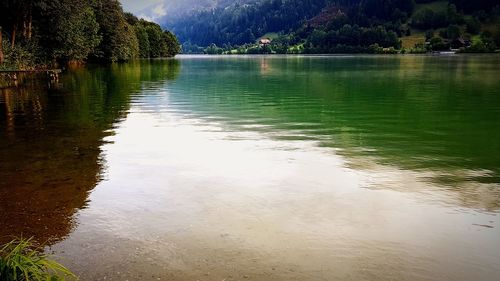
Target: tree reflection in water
(50, 139)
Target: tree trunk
(30, 24)
(1, 46)
(25, 27)
(14, 30)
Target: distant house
(264, 41)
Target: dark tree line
(44, 32)
(152, 41)
(334, 41)
(468, 6)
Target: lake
(260, 168)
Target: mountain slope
(325, 26)
(242, 21)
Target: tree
(384, 9)
(153, 42)
(44, 32)
(453, 16)
(429, 34)
(72, 31)
(125, 44)
(427, 18)
(17, 15)
(213, 50)
(469, 6)
(1, 46)
(473, 26)
(437, 44)
(453, 32)
(496, 35)
(170, 44)
(155, 37)
(143, 40)
(119, 40)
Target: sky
(156, 8)
(135, 6)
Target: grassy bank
(20, 260)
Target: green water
(269, 167)
(436, 113)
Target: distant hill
(326, 26)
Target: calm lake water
(260, 168)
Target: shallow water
(260, 168)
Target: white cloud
(144, 17)
(136, 6)
(159, 11)
(153, 14)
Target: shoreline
(440, 54)
(335, 54)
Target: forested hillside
(333, 26)
(41, 33)
(240, 23)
